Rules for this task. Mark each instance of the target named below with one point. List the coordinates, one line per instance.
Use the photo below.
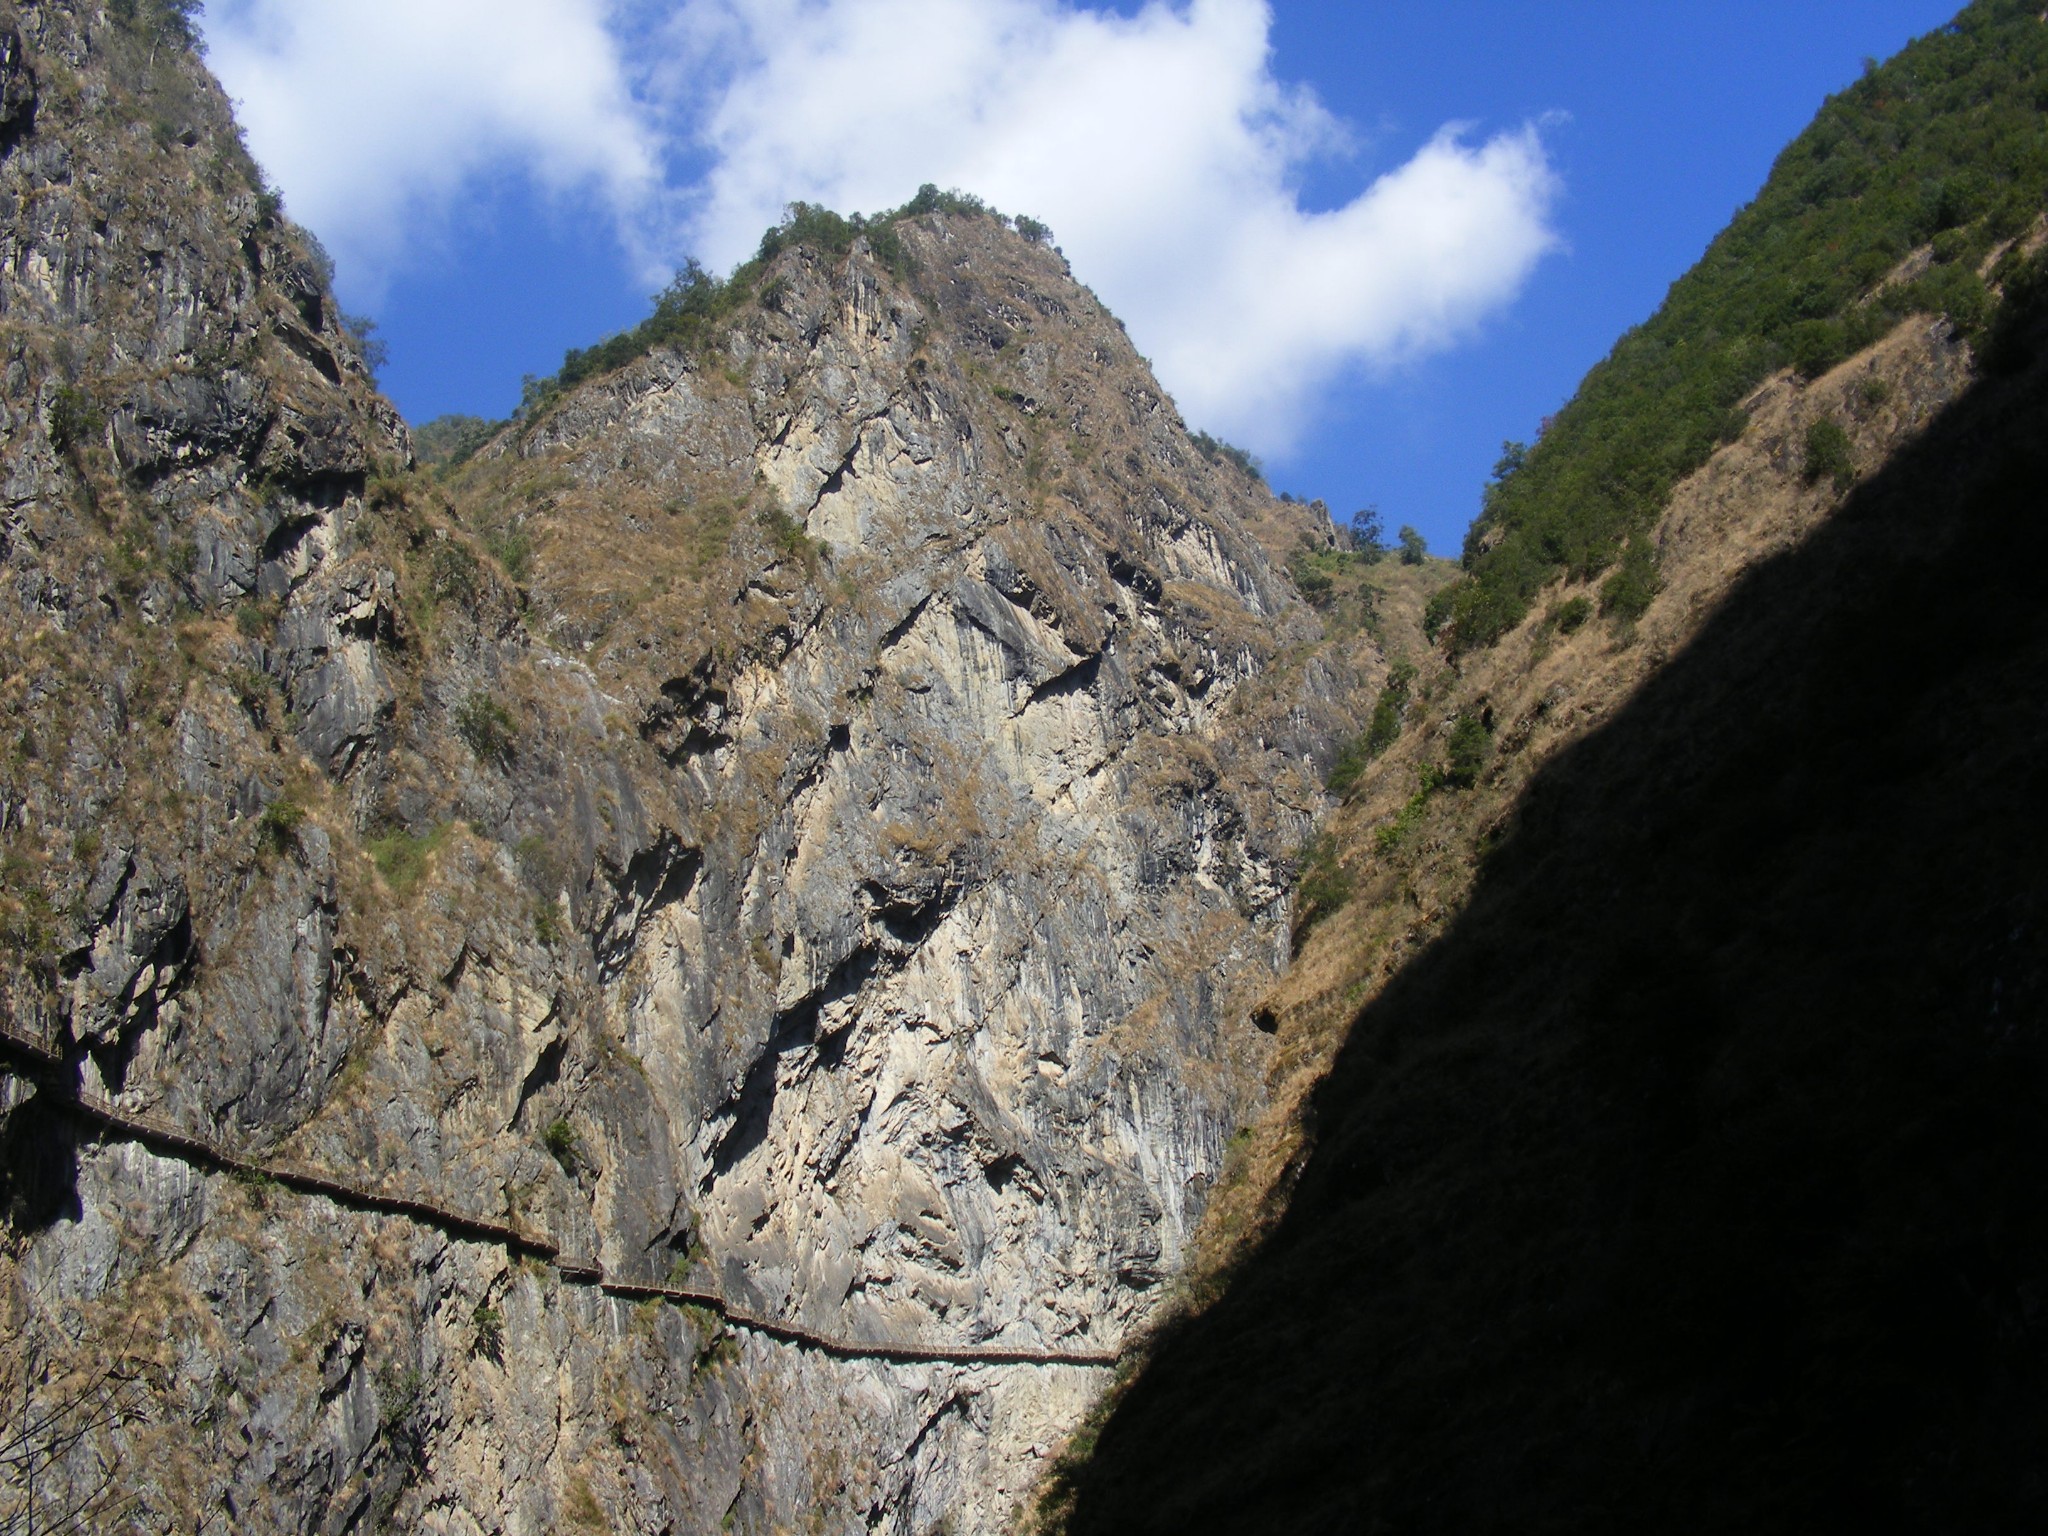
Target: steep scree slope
(799, 818)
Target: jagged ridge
(795, 822)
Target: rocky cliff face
(801, 819)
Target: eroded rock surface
(804, 816)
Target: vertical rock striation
(799, 816)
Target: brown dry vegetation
(1544, 690)
(1593, 1193)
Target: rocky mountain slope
(1675, 1173)
(800, 819)
(1656, 1092)
(714, 960)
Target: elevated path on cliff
(55, 1079)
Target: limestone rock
(804, 815)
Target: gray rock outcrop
(802, 815)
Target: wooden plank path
(48, 1069)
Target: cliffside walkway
(51, 1075)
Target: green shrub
(277, 829)
(686, 314)
(259, 1186)
(1815, 346)
(1216, 451)
(1470, 745)
(1570, 616)
(547, 925)
(512, 550)
(448, 442)
(485, 725)
(370, 347)
(75, 419)
(2015, 334)
(1396, 832)
(173, 19)
(1414, 548)
(562, 1143)
(402, 857)
(1828, 455)
(1950, 130)
(453, 574)
(786, 536)
(1956, 292)
(1442, 606)
(28, 918)
(489, 1326)
(400, 1394)
(681, 1264)
(1390, 708)
(1368, 534)
(930, 199)
(1350, 765)
(813, 228)
(689, 313)
(1326, 886)
(1628, 591)
(1384, 729)
(888, 248)
(389, 488)
(721, 1350)
(1380, 733)
(1311, 579)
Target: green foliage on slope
(447, 442)
(1828, 455)
(1388, 713)
(694, 306)
(1216, 451)
(1684, 1177)
(1945, 145)
(685, 312)
(173, 19)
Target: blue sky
(1676, 113)
(1414, 324)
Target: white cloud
(376, 116)
(1158, 145)
(1160, 149)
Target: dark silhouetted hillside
(1692, 1180)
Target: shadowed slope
(1691, 1181)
